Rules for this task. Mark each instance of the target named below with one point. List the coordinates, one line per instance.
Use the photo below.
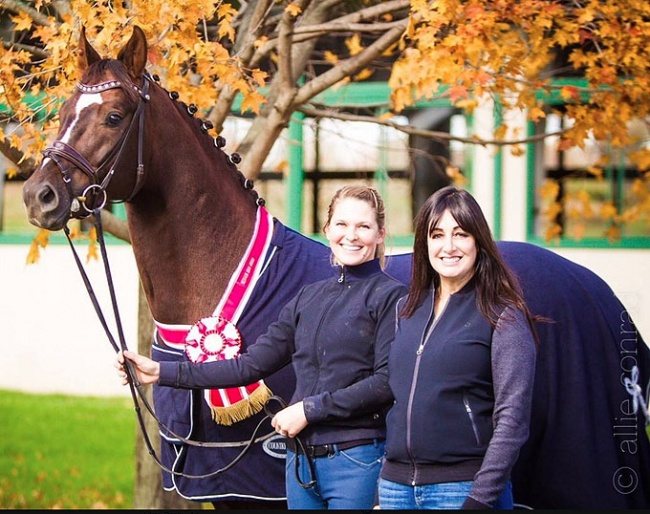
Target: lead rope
(135, 386)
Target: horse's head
(100, 136)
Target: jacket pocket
(472, 419)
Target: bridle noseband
(94, 196)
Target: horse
(193, 216)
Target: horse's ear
(134, 53)
(86, 54)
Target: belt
(325, 450)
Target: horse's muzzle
(46, 205)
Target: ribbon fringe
(242, 409)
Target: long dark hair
(497, 287)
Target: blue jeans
(345, 480)
(450, 495)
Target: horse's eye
(113, 119)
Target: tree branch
(328, 28)
(349, 22)
(34, 50)
(18, 7)
(247, 33)
(352, 65)
(16, 156)
(250, 30)
(362, 19)
(414, 131)
(284, 75)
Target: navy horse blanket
(588, 447)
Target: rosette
(212, 338)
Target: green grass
(66, 452)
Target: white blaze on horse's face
(85, 101)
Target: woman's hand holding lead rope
(290, 421)
(147, 370)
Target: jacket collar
(352, 273)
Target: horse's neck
(185, 259)
(189, 227)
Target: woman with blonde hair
(336, 333)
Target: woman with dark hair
(461, 367)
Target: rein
(59, 151)
(135, 386)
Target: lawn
(66, 452)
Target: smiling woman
(461, 367)
(452, 253)
(336, 334)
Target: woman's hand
(147, 370)
(291, 421)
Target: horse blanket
(587, 448)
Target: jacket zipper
(408, 417)
(425, 336)
(340, 280)
(472, 420)
(423, 341)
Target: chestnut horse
(193, 217)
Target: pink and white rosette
(213, 338)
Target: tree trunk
(148, 491)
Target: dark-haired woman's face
(452, 252)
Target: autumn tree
(270, 59)
(513, 51)
(276, 57)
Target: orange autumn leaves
(465, 51)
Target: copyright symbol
(625, 480)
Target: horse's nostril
(46, 195)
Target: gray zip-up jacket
(337, 334)
(463, 395)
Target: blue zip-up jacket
(337, 334)
(463, 395)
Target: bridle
(60, 151)
(94, 196)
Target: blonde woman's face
(353, 232)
